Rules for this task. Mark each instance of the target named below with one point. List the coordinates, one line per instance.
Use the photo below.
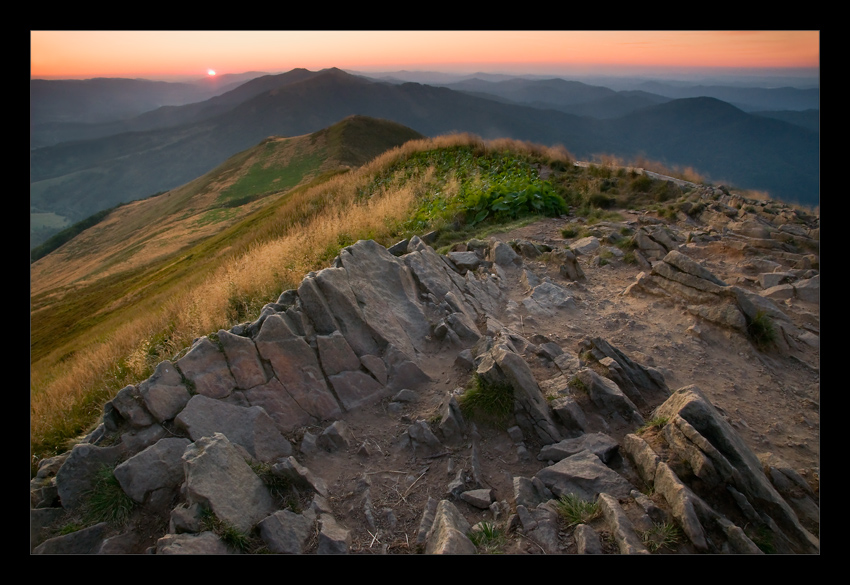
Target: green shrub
(487, 538)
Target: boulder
(251, 427)
(219, 479)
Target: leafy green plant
(762, 330)
(568, 233)
(106, 501)
(487, 402)
(665, 535)
(575, 510)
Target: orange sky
(164, 54)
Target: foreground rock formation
(331, 423)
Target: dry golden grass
(312, 223)
(305, 232)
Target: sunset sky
(170, 55)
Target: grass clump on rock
(575, 510)
(761, 330)
(487, 402)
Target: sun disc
(210, 72)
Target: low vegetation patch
(762, 330)
(575, 510)
(107, 502)
(488, 403)
(488, 538)
(665, 535)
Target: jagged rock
(599, 444)
(205, 543)
(502, 254)
(285, 532)
(621, 527)
(480, 498)
(547, 298)
(185, 519)
(513, 369)
(422, 440)
(243, 359)
(82, 542)
(160, 466)
(541, 524)
(587, 540)
(218, 478)
(530, 492)
(335, 437)
(585, 475)
(465, 260)
(585, 246)
(606, 395)
(297, 368)
(334, 539)
(335, 354)
(272, 397)
(452, 426)
(252, 427)
(571, 269)
(139, 439)
(206, 368)
(427, 520)
(690, 404)
(356, 388)
(448, 532)
(682, 502)
(129, 405)
(642, 455)
(289, 469)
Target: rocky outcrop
(217, 437)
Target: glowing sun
(211, 72)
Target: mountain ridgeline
(170, 146)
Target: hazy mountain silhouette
(78, 179)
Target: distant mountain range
(166, 147)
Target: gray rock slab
(335, 354)
(78, 473)
(206, 367)
(285, 411)
(252, 427)
(334, 539)
(627, 539)
(448, 533)
(599, 444)
(85, 541)
(157, 467)
(585, 475)
(356, 388)
(243, 359)
(285, 532)
(587, 540)
(217, 477)
(608, 397)
(297, 368)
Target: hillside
(77, 179)
(141, 247)
(653, 344)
